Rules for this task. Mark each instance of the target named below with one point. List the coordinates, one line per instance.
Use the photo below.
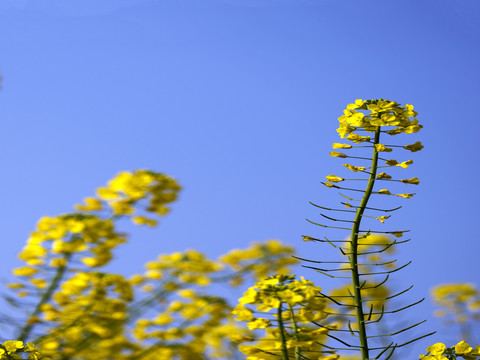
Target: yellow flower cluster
(462, 350)
(295, 302)
(192, 322)
(127, 189)
(460, 301)
(13, 350)
(91, 233)
(381, 113)
(376, 115)
(260, 259)
(90, 306)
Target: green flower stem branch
(45, 298)
(354, 249)
(281, 328)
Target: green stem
(354, 251)
(295, 332)
(47, 295)
(282, 333)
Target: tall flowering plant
(364, 125)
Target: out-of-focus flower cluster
(459, 305)
(169, 311)
(16, 350)
(296, 303)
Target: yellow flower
(414, 147)
(334, 178)
(240, 338)
(406, 196)
(337, 154)
(436, 349)
(405, 164)
(24, 271)
(142, 220)
(345, 129)
(383, 218)
(414, 181)
(384, 191)
(12, 345)
(355, 168)
(383, 175)
(341, 146)
(91, 204)
(259, 323)
(358, 104)
(463, 348)
(391, 162)
(380, 148)
(357, 138)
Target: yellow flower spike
(414, 147)
(413, 181)
(334, 178)
(382, 148)
(462, 348)
(358, 138)
(405, 164)
(341, 146)
(354, 168)
(338, 154)
(383, 175)
(383, 218)
(406, 196)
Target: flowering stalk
(366, 298)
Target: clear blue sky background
(239, 100)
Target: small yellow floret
(334, 178)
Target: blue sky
(239, 100)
